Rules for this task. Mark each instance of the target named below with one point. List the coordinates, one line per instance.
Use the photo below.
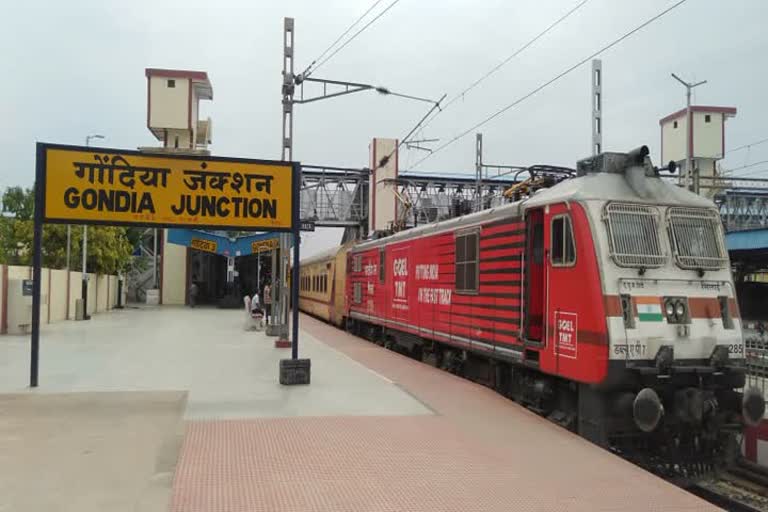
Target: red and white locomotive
(605, 302)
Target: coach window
(382, 265)
(562, 248)
(467, 256)
(357, 263)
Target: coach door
(535, 291)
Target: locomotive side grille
(697, 238)
(633, 235)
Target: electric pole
(688, 178)
(281, 302)
(84, 286)
(478, 171)
(597, 106)
(292, 82)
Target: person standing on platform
(267, 301)
(193, 294)
(255, 303)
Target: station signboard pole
(37, 257)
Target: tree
(20, 202)
(109, 249)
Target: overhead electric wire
(552, 80)
(352, 38)
(745, 146)
(506, 61)
(747, 165)
(404, 140)
(745, 175)
(358, 20)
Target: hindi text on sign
(127, 187)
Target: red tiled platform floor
(480, 452)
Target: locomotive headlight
(676, 310)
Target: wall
(184, 139)
(195, 111)
(17, 308)
(174, 272)
(102, 293)
(707, 137)
(168, 106)
(673, 140)
(75, 292)
(58, 302)
(91, 294)
(113, 280)
(382, 195)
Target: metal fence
(756, 352)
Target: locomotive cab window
(467, 262)
(633, 235)
(562, 249)
(697, 239)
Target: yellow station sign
(203, 245)
(264, 245)
(127, 187)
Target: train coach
(605, 302)
(322, 285)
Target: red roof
(199, 79)
(177, 73)
(728, 111)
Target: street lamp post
(84, 292)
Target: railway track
(742, 488)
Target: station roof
(747, 240)
(727, 111)
(199, 79)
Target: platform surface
(228, 372)
(375, 431)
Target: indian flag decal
(649, 309)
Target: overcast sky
(76, 67)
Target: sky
(77, 67)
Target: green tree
(109, 249)
(19, 202)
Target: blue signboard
(218, 244)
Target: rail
(742, 488)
